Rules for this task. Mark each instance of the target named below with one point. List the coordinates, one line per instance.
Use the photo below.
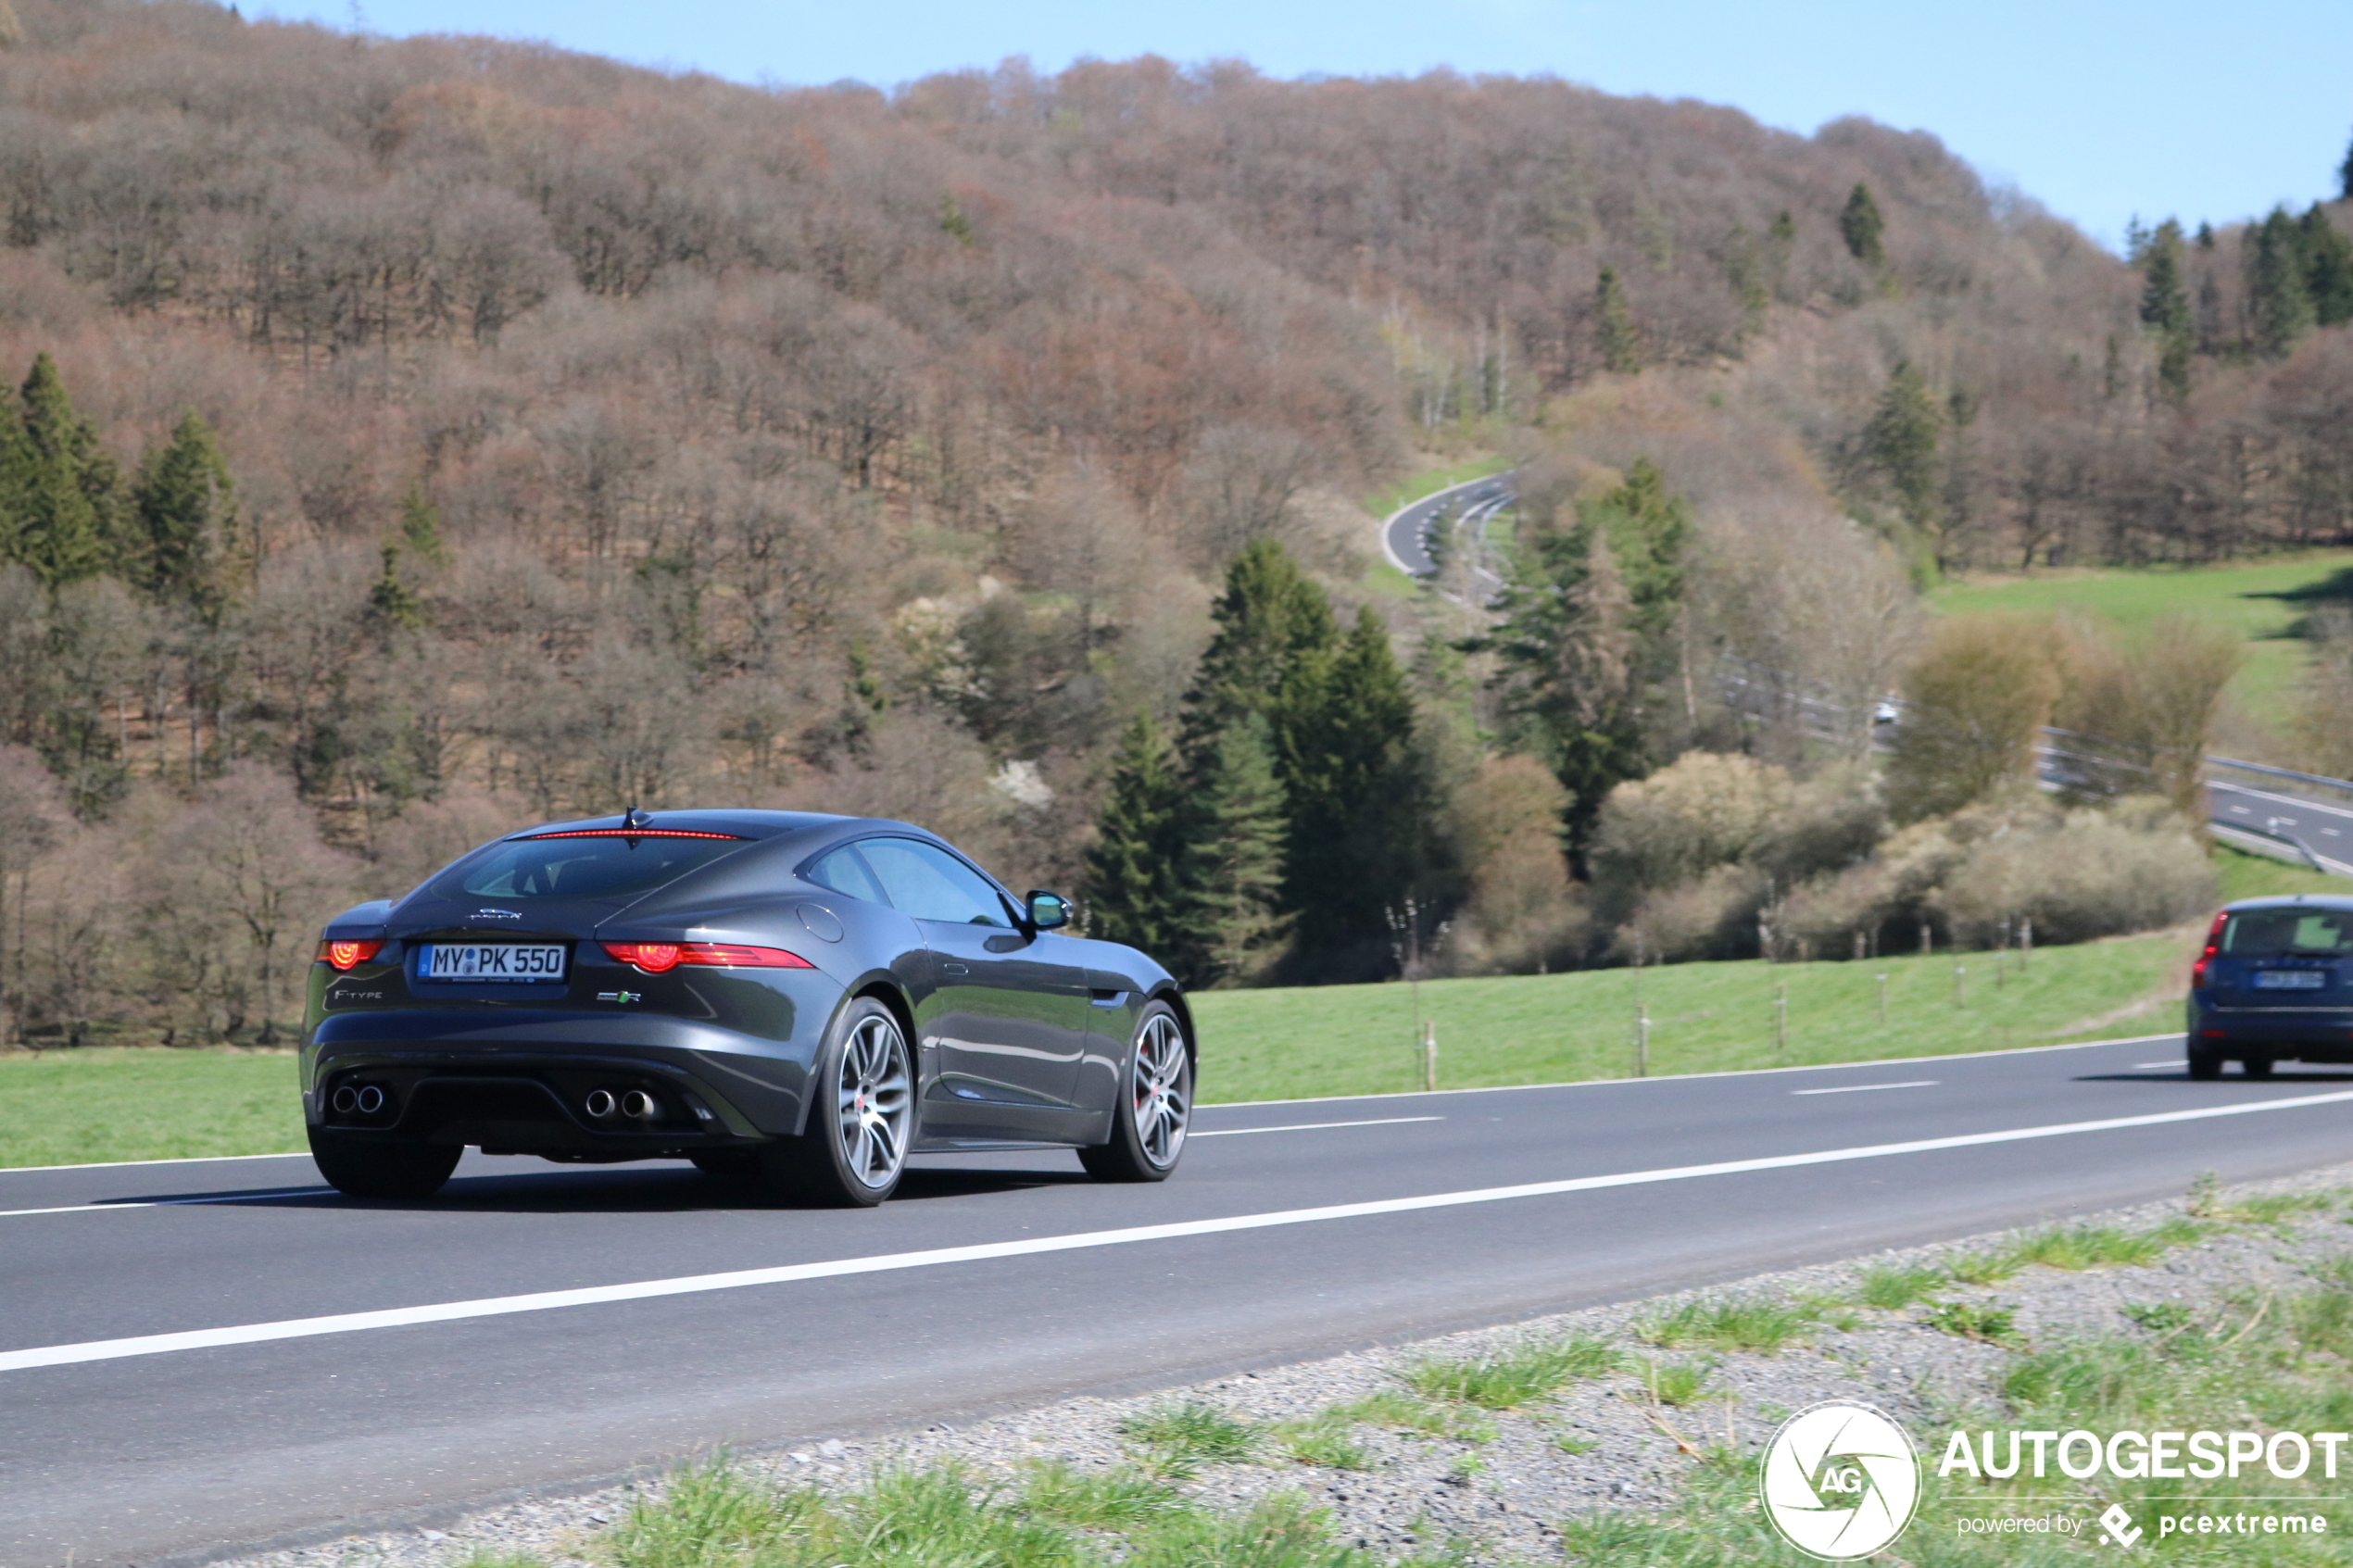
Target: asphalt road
(140, 1451)
(2323, 829)
(1405, 534)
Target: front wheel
(1147, 1125)
(862, 1117)
(360, 1167)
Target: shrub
(1974, 704)
(1703, 811)
(2095, 874)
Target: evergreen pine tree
(62, 487)
(1861, 226)
(2277, 297)
(186, 508)
(2165, 308)
(391, 602)
(420, 527)
(1901, 440)
(1273, 624)
(2345, 176)
(1588, 630)
(1234, 870)
(1356, 814)
(1134, 880)
(1614, 336)
(2328, 267)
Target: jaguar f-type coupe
(795, 1000)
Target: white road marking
(165, 1202)
(546, 1301)
(1312, 1126)
(119, 1164)
(2145, 1066)
(1859, 1088)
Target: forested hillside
(420, 436)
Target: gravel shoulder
(1495, 1485)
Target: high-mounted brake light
(631, 833)
(2213, 945)
(659, 957)
(344, 955)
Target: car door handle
(953, 969)
(1106, 998)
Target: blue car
(794, 999)
(2275, 980)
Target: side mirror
(1047, 911)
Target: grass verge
(1705, 1017)
(105, 1103)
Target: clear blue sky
(2100, 109)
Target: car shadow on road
(560, 1190)
(2180, 1076)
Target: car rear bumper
(522, 1082)
(2304, 1034)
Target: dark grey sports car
(797, 998)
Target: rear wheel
(2257, 1067)
(381, 1167)
(862, 1119)
(2205, 1061)
(1147, 1125)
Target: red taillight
(2214, 944)
(659, 957)
(344, 955)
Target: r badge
(621, 996)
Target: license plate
(2289, 980)
(489, 961)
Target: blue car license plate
(2289, 980)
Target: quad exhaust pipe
(603, 1105)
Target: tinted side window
(931, 885)
(844, 873)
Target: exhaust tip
(600, 1104)
(639, 1106)
(346, 1100)
(369, 1099)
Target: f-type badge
(497, 914)
(621, 996)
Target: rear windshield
(2258, 932)
(582, 868)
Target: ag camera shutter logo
(1840, 1481)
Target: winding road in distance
(208, 1353)
(2250, 816)
(1405, 532)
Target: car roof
(2334, 901)
(742, 822)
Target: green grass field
(2265, 602)
(76, 1108)
(1705, 1017)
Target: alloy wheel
(873, 1101)
(1163, 1099)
